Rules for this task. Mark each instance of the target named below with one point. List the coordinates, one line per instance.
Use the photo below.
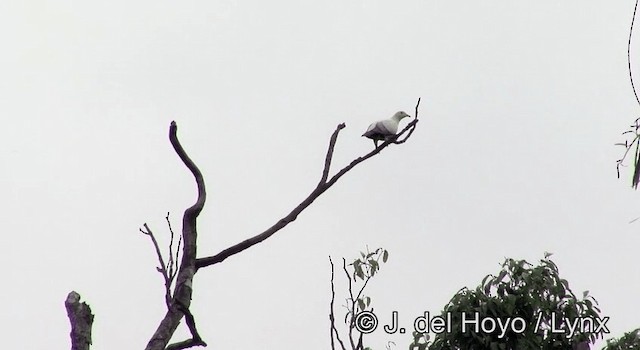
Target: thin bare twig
(633, 19)
(162, 268)
(334, 330)
(352, 310)
(173, 264)
(324, 184)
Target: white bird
(382, 129)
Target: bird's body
(383, 129)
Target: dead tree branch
(166, 275)
(334, 331)
(324, 184)
(173, 264)
(81, 321)
(181, 299)
(195, 340)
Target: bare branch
(173, 264)
(322, 186)
(327, 160)
(333, 330)
(629, 52)
(352, 310)
(181, 299)
(81, 321)
(162, 269)
(411, 127)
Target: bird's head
(400, 115)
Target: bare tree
(181, 274)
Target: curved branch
(181, 299)
(633, 19)
(322, 186)
(196, 208)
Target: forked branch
(181, 298)
(165, 270)
(324, 184)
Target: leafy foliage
(361, 272)
(420, 341)
(629, 341)
(535, 295)
(364, 268)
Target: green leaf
(359, 272)
(487, 288)
(361, 304)
(589, 304)
(385, 256)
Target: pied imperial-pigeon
(383, 129)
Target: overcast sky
(521, 104)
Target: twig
(411, 127)
(324, 184)
(333, 330)
(352, 310)
(360, 346)
(173, 264)
(633, 19)
(162, 268)
(327, 160)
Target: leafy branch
(363, 268)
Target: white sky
(514, 156)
